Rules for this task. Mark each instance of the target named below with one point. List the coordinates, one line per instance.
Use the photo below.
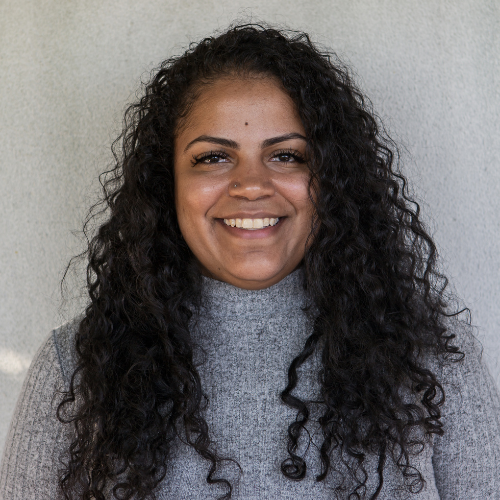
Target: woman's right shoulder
(63, 340)
(37, 437)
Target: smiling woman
(263, 283)
(258, 175)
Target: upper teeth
(251, 223)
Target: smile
(251, 224)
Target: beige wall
(432, 68)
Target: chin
(251, 274)
(257, 273)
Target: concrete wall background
(67, 69)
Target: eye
(287, 156)
(209, 158)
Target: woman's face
(240, 161)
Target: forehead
(254, 101)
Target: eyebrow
(234, 145)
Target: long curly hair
(370, 270)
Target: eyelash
(222, 154)
(290, 152)
(205, 156)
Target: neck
(226, 298)
(236, 325)
(250, 284)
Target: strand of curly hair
(370, 270)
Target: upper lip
(255, 215)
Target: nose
(251, 180)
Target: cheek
(184, 203)
(298, 193)
(193, 199)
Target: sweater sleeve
(466, 458)
(30, 464)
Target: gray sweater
(249, 339)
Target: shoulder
(464, 375)
(468, 365)
(466, 362)
(466, 457)
(37, 437)
(469, 386)
(63, 339)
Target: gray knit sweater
(247, 340)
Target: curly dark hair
(370, 269)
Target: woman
(265, 319)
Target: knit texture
(246, 340)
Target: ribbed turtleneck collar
(229, 300)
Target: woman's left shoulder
(466, 457)
(469, 364)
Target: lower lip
(255, 233)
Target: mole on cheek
(246, 123)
